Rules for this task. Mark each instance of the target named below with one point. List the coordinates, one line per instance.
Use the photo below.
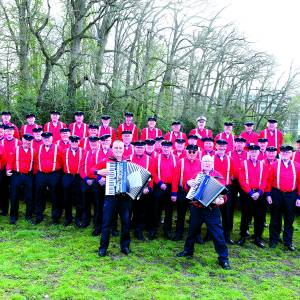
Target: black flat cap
(104, 137)
(167, 143)
(221, 142)
(150, 142)
(27, 137)
(74, 138)
(47, 134)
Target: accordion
(126, 178)
(206, 189)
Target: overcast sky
(274, 26)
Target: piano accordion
(126, 178)
(206, 189)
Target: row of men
(81, 129)
(77, 164)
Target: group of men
(69, 165)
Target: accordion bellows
(206, 189)
(126, 177)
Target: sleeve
(135, 136)
(114, 135)
(242, 180)
(270, 180)
(264, 180)
(167, 136)
(176, 179)
(11, 161)
(143, 134)
(22, 131)
(16, 132)
(64, 125)
(298, 182)
(217, 137)
(91, 172)
(45, 127)
(261, 134)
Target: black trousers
(182, 205)
(72, 196)
(139, 212)
(255, 208)
(163, 199)
(90, 195)
(18, 181)
(123, 205)
(283, 205)
(227, 213)
(235, 193)
(4, 186)
(212, 219)
(52, 181)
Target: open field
(36, 261)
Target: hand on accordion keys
(103, 172)
(219, 200)
(191, 182)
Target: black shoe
(55, 222)
(67, 223)
(247, 234)
(4, 213)
(168, 235)
(290, 247)
(229, 241)
(272, 245)
(199, 239)
(265, 225)
(259, 243)
(77, 223)
(184, 253)
(225, 265)
(241, 241)
(38, 221)
(139, 235)
(177, 237)
(152, 235)
(12, 221)
(115, 233)
(102, 252)
(125, 250)
(85, 225)
(96, 232)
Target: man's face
(271, 155)
(208, 146)
(1, 132)
(253, 154)
(105, 123)
(149, 148)
(54, 117)
(47, 140)
(228, 129)
(249, 128)
(79, 119)
(262, 146)
(176, 127)
(151, 123)
(6, 118)
(128, 119)
(94, 145)
(127, 138)
(271, 126)
(106, 143)
(75, 144)
(239, 146)
(179, 146)
(65, 135)
(9, 133)
(26, 144)
(192, 142)
(191, 154)
(118, 149)
(93, 132)
(221, 149)
(37, 135)
(139, 150)
(158, 145)
(207, 164)
(286, 155)
(201, 124)
(166, 150)
(31, 120)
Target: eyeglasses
(192, 151)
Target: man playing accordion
(209, 215)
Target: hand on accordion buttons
(219, 200)
(103, 172)
(191, 182)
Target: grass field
(41, 262)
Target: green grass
(62, 263)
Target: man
(139, 208)
(105, 129)
(93, 131)
(90, 187)
(6, 117)
(3, 183)
(64, 143)
(150, 132)
(37, 138)
(128, 125)
(150, 148)
(19, 167)
(208, 146)
(296, 154)
(249, 134)
(120, 202)
(158, 146)
(9, 142)
(210, 215)
(47, 164)
(192, 140)
(165, 167)
(1, 132)
(127, 138)
(179, 150)
(54, 126)
(271, 153)
(105, 150)
(71, 160)
(79, 128)
(253, 181)
(224, 165)
(283, 196)
(227, 136)
(28, 128)
(201, 132)
(272, 134)
(263, 144)
(175, 133)
(187, 169)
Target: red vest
(21, 161)
(71, 162)
(148, 133)
(47, 161)
(81, 131)
(55, 130)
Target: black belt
(283, 191)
